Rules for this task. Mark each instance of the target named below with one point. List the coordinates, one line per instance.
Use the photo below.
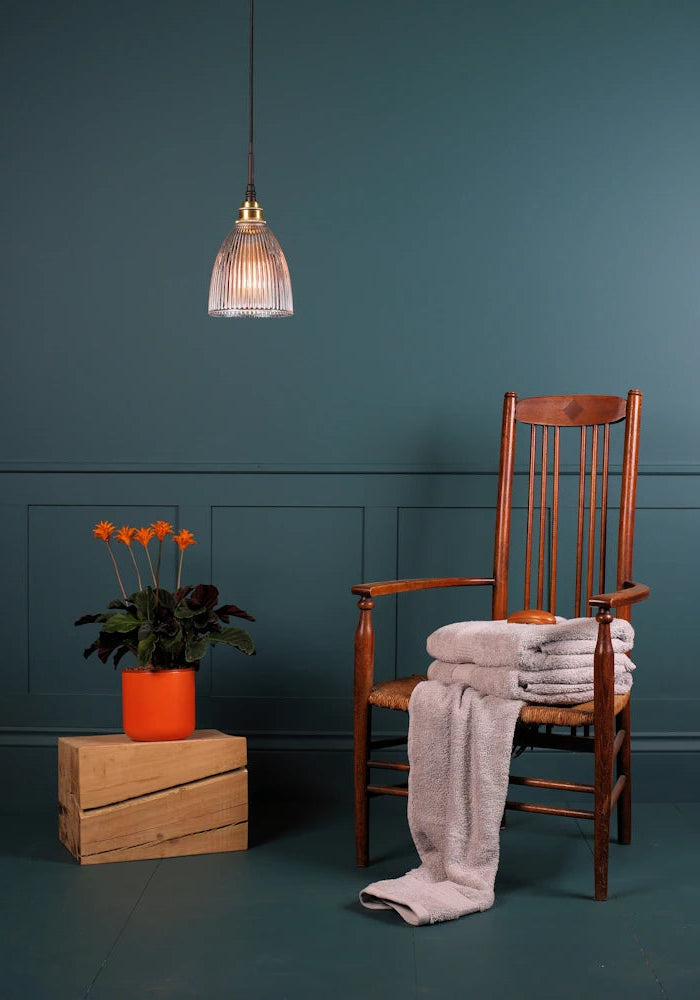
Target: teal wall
(472, 197)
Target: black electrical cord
(250, 190)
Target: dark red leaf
(204, 596)
(230, 609)
(87, 620)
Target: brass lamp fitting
(250, 211)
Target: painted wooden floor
(282, 921)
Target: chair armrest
(630, 593)
(401, 586)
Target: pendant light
(250, 275)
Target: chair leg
(361, 753)
(604, 738)
(601, 846)
(624, 766)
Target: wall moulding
(19, 467)
(650, 742)
(279, 545)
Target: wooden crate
(119, 800)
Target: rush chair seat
(605, 721)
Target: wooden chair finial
(532, 616)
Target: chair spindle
(604, 510)
(530, 509)
(579, 530)
(555, 526)
(543, 518)
(592, 516)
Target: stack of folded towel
(541, 664)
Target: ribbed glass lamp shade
(250, 276)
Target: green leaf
(121, 623)
(145, 630)
(202, 620)
(166, 599)
(172, 643)
(119, 605)
(194, 649)
(182, 611)
(237, 637)
(145, 650)
(145, 602)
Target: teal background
(472, 198)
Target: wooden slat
(570, 411)
(617, 790)
(233, 837)
(501, 550)
(112, 768)
(382, 587)
(177, 812)
(531, 807)
(592, 518)
(543, 516)
(389, 765)
(604, 509)
(628, 492)
(555, 526)
(401, 790)
(564, 786)
(201, 816)
(530, 509)
(579, 529)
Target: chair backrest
(590, 419)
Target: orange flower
(103, 530)
(125, 535)
(161, 529)
(183, 539)
(144, 535)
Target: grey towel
(459, 747)
(567, 687)
(526, 647)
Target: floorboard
(282, 921)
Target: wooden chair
(605, 722)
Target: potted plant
(167, 631)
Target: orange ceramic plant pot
(158, 704)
